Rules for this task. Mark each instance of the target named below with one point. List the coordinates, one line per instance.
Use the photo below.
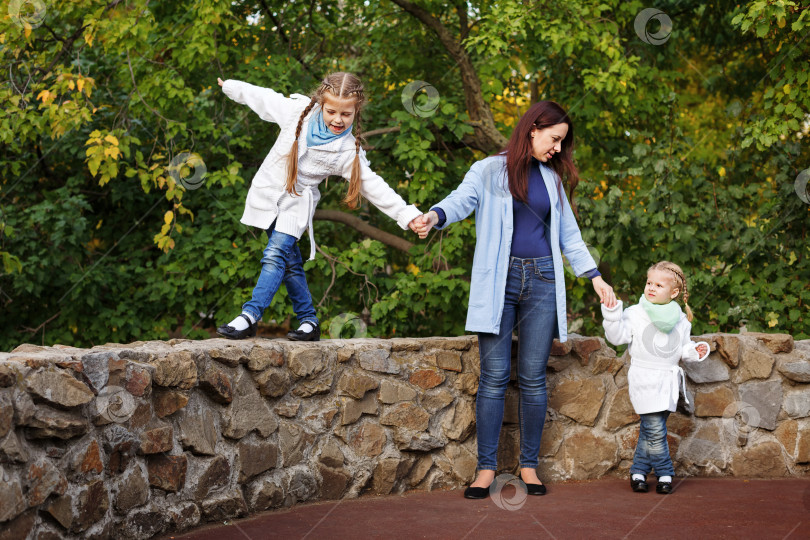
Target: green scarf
(663, 316)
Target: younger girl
(658, 333)
(315, 142)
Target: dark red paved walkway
(699, 508)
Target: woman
(524, 224)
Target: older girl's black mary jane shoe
(232, 333)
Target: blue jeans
(281, 262)
(652, 450)
(530, 306)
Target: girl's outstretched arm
(268, 104)
(381, 195)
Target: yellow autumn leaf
(786, 89)
(721, 171)
(71, 85)
(781, 22)
(27, 30)
(167, 217)
(111, 139)
(773, 319)
(88, 38)
(413, 269)
(80, 85)
(44, 96)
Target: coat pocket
(482, 285)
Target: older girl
(315, 142)
(524, 224)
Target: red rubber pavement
(607, 508)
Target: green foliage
(688, 150)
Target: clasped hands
(421, 225)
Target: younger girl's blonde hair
(680, 282)
(340, 85)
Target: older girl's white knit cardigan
(267, 199)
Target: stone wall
(150, 437)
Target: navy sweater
(530, 221)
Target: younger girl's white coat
(654, 374)
(267, 200)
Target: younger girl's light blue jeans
(652, 449)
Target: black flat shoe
(232, 333)
(639, 486)
(535, 489)
(313, 335)
(664, 488)
(476, 493)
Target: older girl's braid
(675, 269)
(292, 157)
(352, 198)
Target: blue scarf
(318, 132)
(663, 316)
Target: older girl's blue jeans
(530, 307)
(281, 262)
(652, 449)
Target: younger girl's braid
(675, 269)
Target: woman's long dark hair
(518, 151)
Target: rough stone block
(49, 422)
(406, 415)
(145, 523)
(184, 516)
(42, 480)
(714, 402)
(776, 343)
(356, 384)
(394, 392)
(620, 410)
(755, 364)
(264, 494)
(130, 490)
(333, 482)
(230, 356)
(378, 360)
(427, 378)
(367, 440)
(166, 402)
(797, 403)
(156, 440)
(224, 506)
(255, 457)
(449, 360)
(795, 366)
(766, 398)
(436, 400)
(59, 388)
(712, 369)
(261, 358)
(293, 441)
(197, 428)
(248, 411)
(175, 369)
(167, 472)
(763, 460)
(214, 473)
(460, 424)
(308, 361)
(353, 409)
(331, 455)
(588, 455)
(12, 502)
(217, 385)
(273, 382)
(579, 399)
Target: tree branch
(364, 228)
(486, 137)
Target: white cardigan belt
(675, 369)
